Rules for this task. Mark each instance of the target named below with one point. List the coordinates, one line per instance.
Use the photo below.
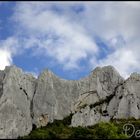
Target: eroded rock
(26, 101)
(58, 97)
(16, 94)
(126, 103)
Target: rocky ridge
(26, 101)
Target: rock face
(53, 98)
(56, 98)
(126, 103)
(91, 107)
(16, 92)
(26, 101)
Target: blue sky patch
(63, 37)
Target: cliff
(26, 101)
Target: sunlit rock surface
(26, 101)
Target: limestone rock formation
(123, 103)
(91, 107)
(26, 101)
(16, 92)
(56, 98)
(126, 102)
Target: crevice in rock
(33, 127)
(31, 102)
(82, 106)
(25, 93)
(90, 92)
(120, 97)
(105, 113)
(2, 77)
(3, 102)
(106, 100)
(138, 106)
(1, 89)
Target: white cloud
(62, 39)
(8, 48)
(5, 59)
(123, 60)
(118, 24)
(10, 44)
(33, 73)
(67, 36)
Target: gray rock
(56, 98)
(126, 103)
(89, 116)
(103, 83)
(16, 92)
(53, 98)
(101, 96)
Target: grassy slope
(60, 129)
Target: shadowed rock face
(101, 96)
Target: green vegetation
(109, 130)
(83, 106)
(121, 122)
(60, 129)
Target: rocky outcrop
(16, 92)
(126, 103)
(91, 107)
(56, 98)
(123, 103)
(26, 101)
(53, 98)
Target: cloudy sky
(70, 38)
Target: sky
(70, 38)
